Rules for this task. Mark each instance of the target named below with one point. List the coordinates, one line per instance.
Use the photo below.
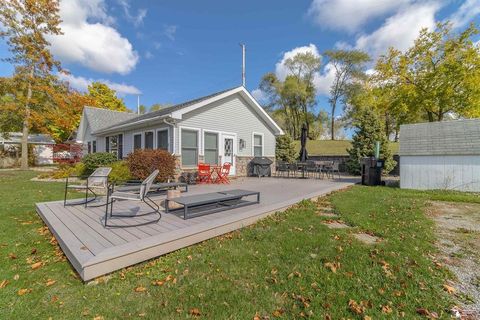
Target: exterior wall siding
(460, 172)
(234, 115)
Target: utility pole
(138, 104)
(243, 63)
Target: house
(10, 146)
(440, 155)
(226, 126)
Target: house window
(114, 144)
(211, 148)
(137, 141)
(94, 146)
(89, 147)
(257, 145)
(189, 147)
(148, 140)
(162, 139)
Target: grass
(334, 148)
(281, 267)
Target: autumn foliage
(142, 162)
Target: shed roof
(16, 138)
(457, 137)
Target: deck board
(95, 250)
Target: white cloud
(466, 13)
(281, 70)
(259, 95)
(137, 19)
(400, 30)
(90, 40)
(323, 81)
(169, 31)
(148, 55)
(81, 84)
(350, 15)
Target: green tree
(368, 130)
(285, 148)
(294, 96)
(158, 106)
(349, 65)
(438, 75)
(105, 97)
(26, 23)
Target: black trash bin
(261, 167)
(372, 171)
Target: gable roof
(177, 111)
(98, 117)
(457, 137)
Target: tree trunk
(26, 124)
(333, 122)
(430, 116)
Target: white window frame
(199, 142)
(253, 143)
(144, 140)
(219, 140)
(168, 138)
(133, 140)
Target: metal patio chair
(311, 168)
(97, 180)
(142, 196)
(282, 168)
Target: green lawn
(280, 267)
(335, 147)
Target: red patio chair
(204, 173)
(224, 172)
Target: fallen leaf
(386, 309)
(256, 316)
(12, 255)
(277, 313)
(3, 284)
(98, 318)
(143, 314)
(16, 277)
(158, 283)
(333, 266)
(367, 318)
(50, 282)
(449, 289)
(140, 289)
(355, 307)
(423, 312)
(21, 292)
(54, 299)
(169, 277)
(195, 312)
(37, 265)
(34, 250)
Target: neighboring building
(227, 126)
(440, 155)
(10, 145)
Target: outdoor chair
(97, 180)
(141, 196)
(311, 168)
(282, 169)
(334, 168)
(224, 172)
(292, 167)
(204, 173)
(327, 169)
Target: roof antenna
(138, 103)
(243, 63)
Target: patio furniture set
(307, 169)
(191, 205)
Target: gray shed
(440, 155)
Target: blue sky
(172, 51)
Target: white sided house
(227, 126)
(440, 155)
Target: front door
(229, 151)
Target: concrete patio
(94, 250)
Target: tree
(26, 24)
(438, 75)
(158, 106)
(294, 96)
(104, 97)
(348, 65)
(285, 149)
(368, 131)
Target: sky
(173, 51)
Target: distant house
(440, 155)
(227, 126)
(10, 145)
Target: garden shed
(440, 155)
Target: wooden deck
(94, 250)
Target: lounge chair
(141, 196)
(97, 180)
(156, 187)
